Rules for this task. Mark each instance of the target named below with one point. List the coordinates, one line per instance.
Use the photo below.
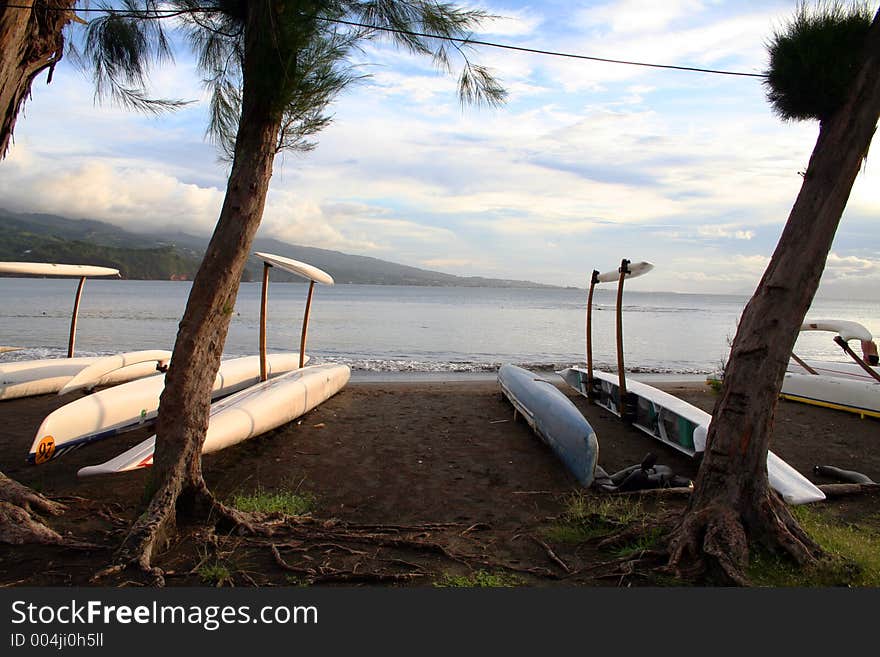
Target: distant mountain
(50, 238)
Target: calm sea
(406, 329)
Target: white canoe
(40, 377)
(124, 407)
(683, 426)
(832, 391)
(246, 414)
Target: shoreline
(659, 379)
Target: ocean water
(406, 329)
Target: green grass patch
(589, 516)
(284, 501)
(645, 542)
(853, 556)
(478, 579)
(215, 574)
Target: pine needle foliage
(814, 59)
(303, 52)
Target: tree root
(714, 541)
(19, 523)
(326, 574)
(842, 490)
(14, 493)
(18, 527)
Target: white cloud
(725, 232)
(635, 16)
(588, 163)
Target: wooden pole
(797, 360)
(72, 339)
(624, 270)
(305, 330)
(870, 370)
(264, 374)
(593, 280)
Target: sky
(587, 162)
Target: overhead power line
(169, 13)
(536, 51)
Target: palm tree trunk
(732, 504)
(31, 41)
(186, 400)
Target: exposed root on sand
(713, 542)
(19, 522)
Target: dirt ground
(412, 482)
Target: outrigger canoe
(246, 414)
(112, 411)
(847, 386)
(664, 417)
(684, 427)
(554, 418)
(47, 375)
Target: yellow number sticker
(45, 450)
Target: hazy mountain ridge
(50, 238)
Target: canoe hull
(128, 406)
(850, 394)
(684, 427)
(554, 418)
(27, 378)
(248, 413)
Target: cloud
(633, 16)
(586, 164)
(725, 232)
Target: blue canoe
(555, 419)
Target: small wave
(407, 365)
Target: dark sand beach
(412, 482)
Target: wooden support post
(305, 329)
(72, 339)
(264, 374)
(870, 370)
(593, 280)
(797, 360)
(624, 270)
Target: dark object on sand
(643, 476)
(846, 476)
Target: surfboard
(684, 427)
(112, 411)
(47, 375)
(554, 419)
(52, 269)
(246, 414)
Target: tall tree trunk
(31, 41)
(186, 400)
(732, 505)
